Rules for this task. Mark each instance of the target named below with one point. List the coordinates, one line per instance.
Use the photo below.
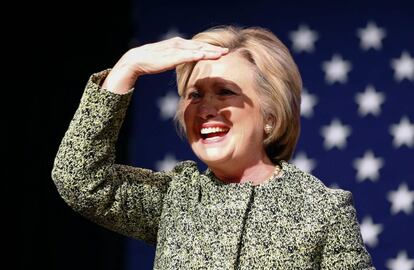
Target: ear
(270, 120)
(268, 125)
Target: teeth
(209, 130)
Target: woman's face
(222, 114)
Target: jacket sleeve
(121, 198)
(344, 247)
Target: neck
(256, 172)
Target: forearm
(87, 152)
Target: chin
(214, 159)
(213, 155)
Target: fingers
(181, 50)
(195, 45)
(205, 51)
(197, 55)
(209, 54)
(210, 51)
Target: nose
(208, 107)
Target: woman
(239, 109)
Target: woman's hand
(155, 58)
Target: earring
(268, 129)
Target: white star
(303, 162)
(370, 231)
(403, 133)
(303, 39)
(335, 134)
(172, 32)
(368, 167)
(401, 200)
(403, 67)
(402, 262)
(369, 101)
(168, 105)
(336, 70)
(308, 101)
(371, 36)
(167, 164)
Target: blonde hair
(277, 78)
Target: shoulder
(314, 190)
(186, 167)
(186, 171)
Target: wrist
(119, 81)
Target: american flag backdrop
(357, 64)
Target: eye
(194, 94)
(226, 92)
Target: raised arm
(119, 197)
(155, 58)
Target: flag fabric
(357, 114)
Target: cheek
(256, 123)
(188, 118)
(186, 115)
(250, 116)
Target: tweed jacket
(292, 221)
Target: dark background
(62, 45)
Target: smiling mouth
(212, 133)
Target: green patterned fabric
(196, 221)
